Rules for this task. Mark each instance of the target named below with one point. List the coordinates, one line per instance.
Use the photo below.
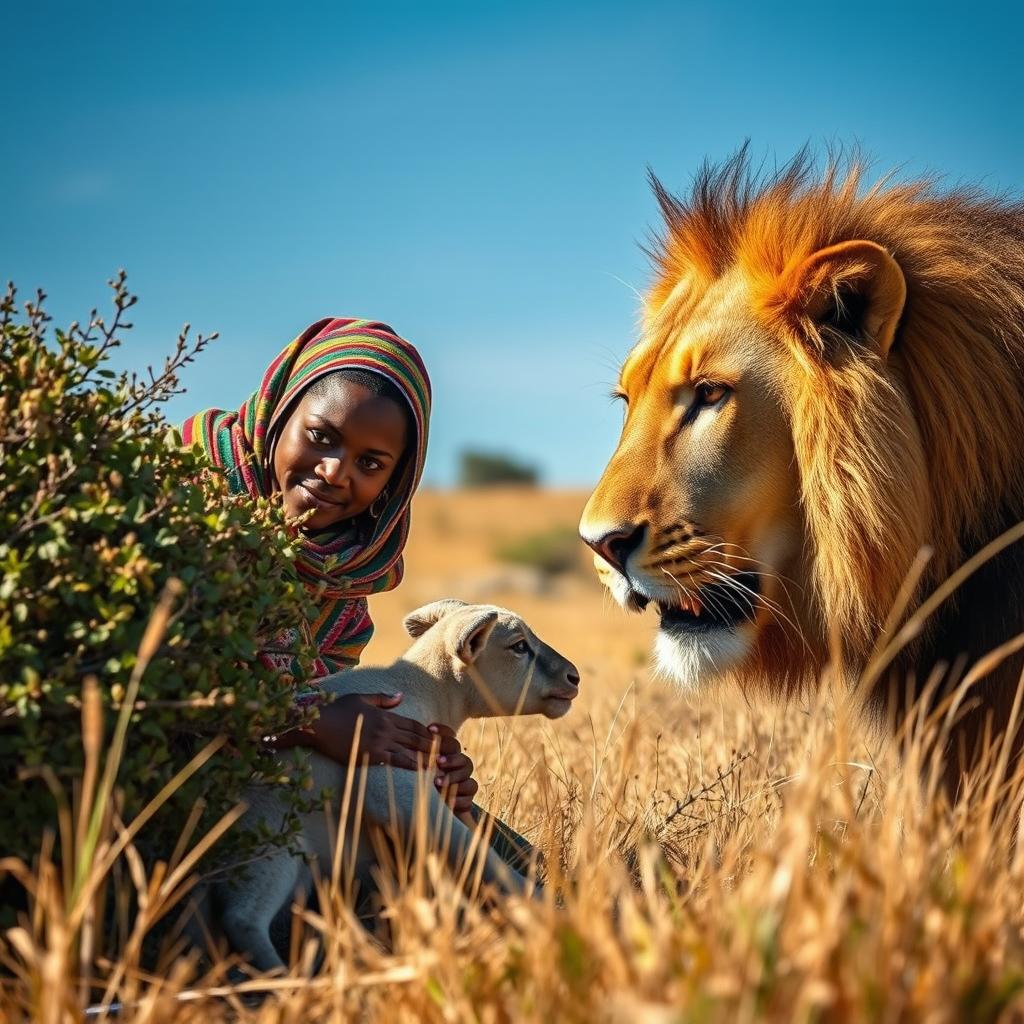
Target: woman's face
(336, 451)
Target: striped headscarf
(345, 565)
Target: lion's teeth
(689, 604)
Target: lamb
(466, 661)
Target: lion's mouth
(723, 605)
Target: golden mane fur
(922, 448)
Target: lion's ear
(854, 288)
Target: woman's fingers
(385, 752)
(400, 758)
(459, 764)
(411, 739)
(412, 734)
(462, 804)
(460, 798)
(456, 782)
(449, 744)
(458, 774)
(411, 725)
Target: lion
(824, 420)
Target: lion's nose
(617, 545)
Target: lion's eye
(711, 394)
(698, 397)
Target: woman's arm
(384, 737)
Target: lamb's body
(437, 677)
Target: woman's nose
(332, 471)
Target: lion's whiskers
(706, 599)
(769, 574)
(768, 603)
(779, 616)
(770, 606)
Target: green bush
(99, 508)
(550, 552)
(480, 469)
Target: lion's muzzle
(616, 544)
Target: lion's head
(829, 379)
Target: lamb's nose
(617, 545)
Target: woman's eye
(317, 436)
(371, 465)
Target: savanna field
(706, 860)
(726, 297)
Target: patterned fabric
(342, 568)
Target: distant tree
(551, 552)
(481, 469)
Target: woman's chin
(315, 513)
(319, 521)
(313, 524)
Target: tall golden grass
(717, 862)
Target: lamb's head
(510, 669)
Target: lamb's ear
(473, 634)
(855, 288)
(418, 622)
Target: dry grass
(709, 863)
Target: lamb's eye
(520, 647)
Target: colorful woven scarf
(241, 443)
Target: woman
(338, 430)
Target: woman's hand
(385, 738)
(455, 774)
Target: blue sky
(472, 173)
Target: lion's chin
(695, 661)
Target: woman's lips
(322, 499)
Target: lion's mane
(925, 448)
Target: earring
(383, 499)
